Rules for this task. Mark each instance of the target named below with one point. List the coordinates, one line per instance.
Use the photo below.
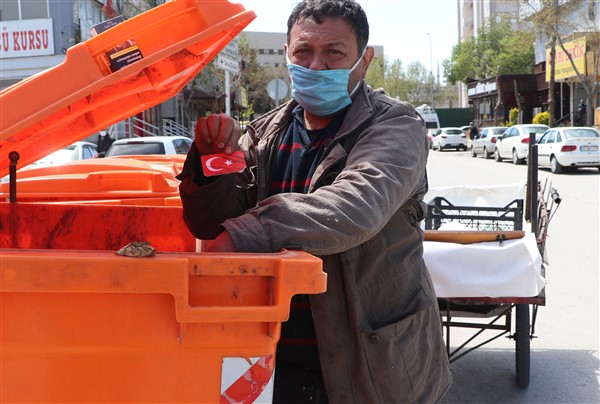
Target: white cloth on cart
(480, 195)
(492, 269)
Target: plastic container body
(92, 326)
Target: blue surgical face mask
(322, 92)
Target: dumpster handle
(67, 271)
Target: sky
(400, 26)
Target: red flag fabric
(221, 163)
(108, 9)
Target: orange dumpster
(92, 326)
(80, 321)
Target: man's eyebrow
(336, 43)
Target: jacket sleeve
(208, 201)
(384, 170)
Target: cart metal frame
(540, 204)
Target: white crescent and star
(211, 168)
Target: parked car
(431, 134)
(75, 151)
(514, 142)
(150, 145)
(485, 141)
(449, 138)
(569, 147)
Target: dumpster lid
(82, 95)
(110, 177)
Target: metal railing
(563, 119)
(134, 126)
(172, 128)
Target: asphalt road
(565, 365)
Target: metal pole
(227, 100)
(431, 66)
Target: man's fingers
(213, 122)
(217, 133)
(201, 133)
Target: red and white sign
(247, 380)
(23, 38)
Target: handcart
(517, 266)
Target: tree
(497, 49)
(418, 84)
(376, 73)
(460, 66)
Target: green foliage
(513, 117)
(541, 118)
(376, 73)
(496, 49)
(254, 78)
(460, 65)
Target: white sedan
(149, 145)
(569, 147)
(449, 138)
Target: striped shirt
(299, 154)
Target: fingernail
(228, 150)
(221, 145)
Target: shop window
(11, 10)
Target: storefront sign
(482, 88)
(25, 38)
(563, 67)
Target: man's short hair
(318, 10)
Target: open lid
(82, 96)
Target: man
(339, 172)
(473, 131)
(581, 109)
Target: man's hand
(217, 133)
(223, 243)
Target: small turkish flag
(221, 163)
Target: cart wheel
(522, 340)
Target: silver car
(485, 141)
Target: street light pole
(431, 66)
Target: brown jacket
(378, 326)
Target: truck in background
(429, 116)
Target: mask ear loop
(352, 69)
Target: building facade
(493, 98)
(35, 36)
(580, 34)
(473, 15)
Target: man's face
(326, 46)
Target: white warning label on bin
(247, 380)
